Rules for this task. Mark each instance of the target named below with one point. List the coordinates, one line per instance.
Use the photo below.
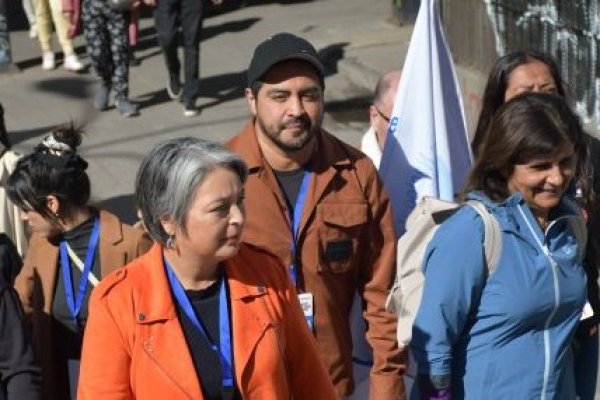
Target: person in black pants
(168, 16)
(106, 37)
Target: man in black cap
(319, 205)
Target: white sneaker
(48, 62)
(72, 63)
(33, 31)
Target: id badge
(307, 303)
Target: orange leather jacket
(134, 346)
(346, 243)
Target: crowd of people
(110, 30)
(255, 261)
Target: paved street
(353, 36)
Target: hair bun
(54, 147)
(76, 162)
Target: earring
(56, 216)
(171, 241)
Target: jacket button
(141, 317)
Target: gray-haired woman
(201, 315)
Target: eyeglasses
(382, 115)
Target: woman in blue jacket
(508, 335)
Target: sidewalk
(354, 38)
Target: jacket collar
(46, 253)
(156, 300)
(167, 345)
(112, 228)
(566, 207)
(510, 218)
(329, 155)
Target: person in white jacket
(10, 216)
(379, 115)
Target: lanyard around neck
(76, 302)
(296, 217)
(224, 346)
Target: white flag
(427, 150)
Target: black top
(71, 335)
(10, 261)
(206, 361)
(592, 253)
(19, 374)
(289, 182)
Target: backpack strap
(492, 241)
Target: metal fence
(480, 30)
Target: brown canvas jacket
(119, 244)
(347, 243)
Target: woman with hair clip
(507, 334)
(73, 245)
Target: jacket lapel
(111, 234)
(166, 346)
(249, 317)
(46, 269)
(162, 335)
(325, 171)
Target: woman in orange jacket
(201, 316)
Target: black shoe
(189, 108)
(174, 88)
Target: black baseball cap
(282, 47)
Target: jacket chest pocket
(341, 226)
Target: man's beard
(296, 143)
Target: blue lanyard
(224, 348)
(296, 216)
(75, 303)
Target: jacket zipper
(553, 266)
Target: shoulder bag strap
(492, 243)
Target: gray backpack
(423, 221)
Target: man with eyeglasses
(379, 114)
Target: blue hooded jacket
(506, 336)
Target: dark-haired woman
(515, 73)
(72, 247)
(531, 71)
(508, 335)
